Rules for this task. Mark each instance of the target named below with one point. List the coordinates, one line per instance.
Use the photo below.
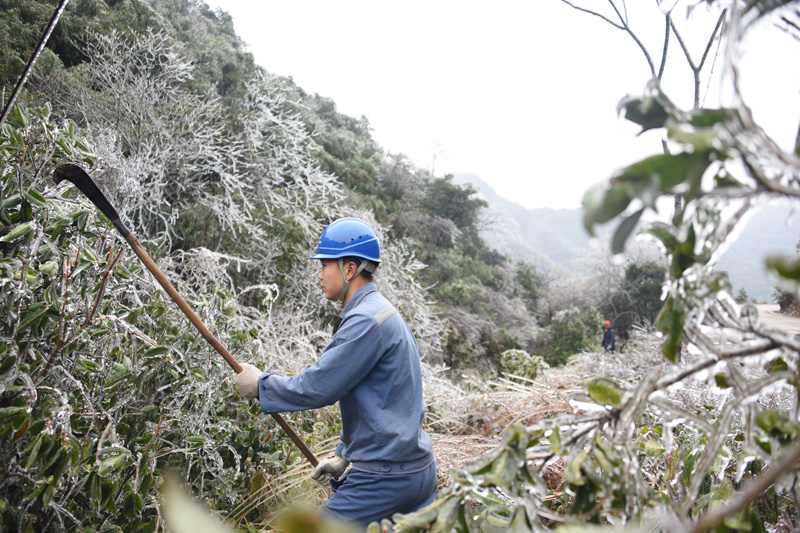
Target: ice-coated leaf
(604, 391)
(624, 231)
(18, 231)
(647, 112)
(784, 267)
(34, 313)
(653, 448)
(670, 322)
(555, 441)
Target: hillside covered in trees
(227, 174)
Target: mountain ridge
(557, 238)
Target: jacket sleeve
(351, 355)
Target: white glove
(327, 469)
(246, 381)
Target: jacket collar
(359, 295)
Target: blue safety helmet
(349, 237)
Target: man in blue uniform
(371, 367)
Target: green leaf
(624, 231)
(647, 112)
(147, 481)
(7, 364)
(699, 139)
(604, 391)
(776, 365)
(683, 254)
(133, 504)
(21, 116)
(12, 201)
(19, 231)
(34, 448)
(671, 170)
(12, 411)
(689, 460)
(9, 267)
(89, 255)
(49, 268)
(155, 352)
(777, 425)
(555, 441)
(653, 448)
(121, 272)
(663, 233)
(573, 473)
(603, 203)
(605, 456)
(40, 487)
(670, 323)
(118, 373)
(446, 518)
(196, 441)
(88, 365)
(724, 180)
(784, 267)
(35, 198)
(65, 146)
(63, 464)
(34, 313)
(110, 464)
(423, 517)
(82, 265)
(95, 492)
(706, 118)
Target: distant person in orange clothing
(608, 337)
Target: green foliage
(208, 38)
(569, 332)
(531, 285)
(521, 363)
(444, 199)
(742, 296)
(638, 301)
(21, 24)
(347, 149)
(106, 387)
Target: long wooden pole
(36, 52)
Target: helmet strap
(346, 284)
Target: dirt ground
(768, 314)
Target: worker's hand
(327, 469)
(246, 381)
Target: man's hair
(358, 260)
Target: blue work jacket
(372, 368)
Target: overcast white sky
(521, 92)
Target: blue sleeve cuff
(262, 392)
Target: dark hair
(358, 260)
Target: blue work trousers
(366, 497)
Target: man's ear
(350, 269)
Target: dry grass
(472, 425)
